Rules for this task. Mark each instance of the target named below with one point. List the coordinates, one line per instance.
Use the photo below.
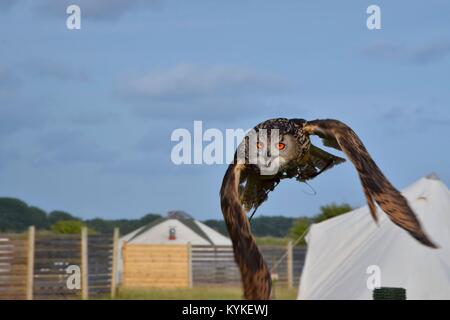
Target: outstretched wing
(317, 161)
(377, 187)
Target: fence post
(30, 262)
(124, 263)
(189, 252)
(84, 264)
(289, 264)
(114, 262)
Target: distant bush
(125, 225)
(58, 215)
(299, 228)
(331, 211)
(326, 212)
(262, 226)
(68, 227)
(271, 241)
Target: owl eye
(259, 145)
(280, 146)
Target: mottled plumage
(246, 185)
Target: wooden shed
(158, 255)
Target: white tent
(342, 250)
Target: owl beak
(268, 168)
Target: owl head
(274, 145)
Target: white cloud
(186, 80)
(430, 52)
(95, 9)
(50, 68)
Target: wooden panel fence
(45, 266)
(100, 264)
(13, 266)
(212, 265)
(53, 255)
(37, 266)
(155, 266)
(279, 262)
(170, 266)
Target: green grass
(272, 241)
(198, 293)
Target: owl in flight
(280, 149)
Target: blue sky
(86, 115)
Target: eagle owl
(280, 149)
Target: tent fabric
(342, 250)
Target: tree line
(16, 216)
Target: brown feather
(255, 275)
(376, 186)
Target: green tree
(299, 228)
(68, 227)
(17, 216)
(218, 225)
(38, 217)
(332, 210)
(149, 217)
(275, 226)
(125, 225)
(262, 226)
(59, 215)
(326, 212)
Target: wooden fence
(14, 266)
(213, 265)
(285, 263)
(156, 266)
(52, 257)
(182, 266)
(49, 266)
(42, 266)
(101, 259)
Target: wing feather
(377, 187)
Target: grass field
(198, 293)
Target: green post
(385, 293)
